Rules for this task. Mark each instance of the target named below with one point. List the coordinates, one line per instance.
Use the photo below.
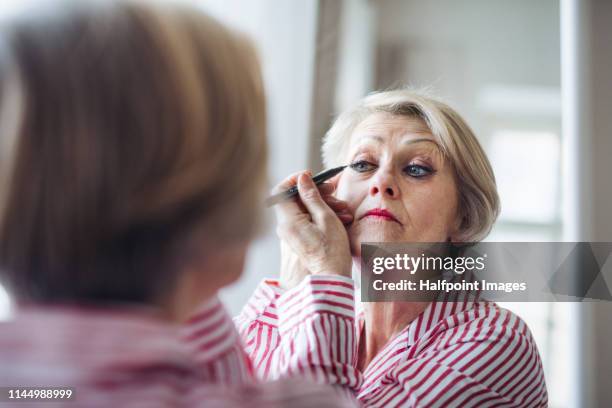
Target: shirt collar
(434, 313)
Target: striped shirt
(454, 354)
(131, 358)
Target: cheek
(351, 191)
(433, 210)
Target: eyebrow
(420, 140)
(379, 139)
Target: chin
(374, 232)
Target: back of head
(126, 127)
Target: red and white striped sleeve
(257, 324)
(227, 371)
(289, 393)
(483, 357)
(308, 331)
(216, 345)
(317, 331)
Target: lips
(381, 213)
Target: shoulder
(487, 347)
(479, 318)
(478, 330)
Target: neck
(383, 320)
(190, 291)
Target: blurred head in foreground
(132, 143)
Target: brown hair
(132, 125)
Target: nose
(384, 183)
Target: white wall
(285, 33)
(587, 102)
(463, 46)
(356, 54)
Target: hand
(311, 231)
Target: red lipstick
(381, 212)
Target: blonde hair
(140, 124)
(478, 198)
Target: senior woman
(133, 144)
(417, 174)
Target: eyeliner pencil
(293, 191)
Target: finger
(302, 236)
(334, 203)
(338, 209)
(312, 200)
(335, 180)
(346, 218)
(287, 209)
(344, 211)
(326, 188)
(286, 183)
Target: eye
(362, 166)
(415, 170)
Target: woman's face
(400, 188)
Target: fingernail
(305, 180)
